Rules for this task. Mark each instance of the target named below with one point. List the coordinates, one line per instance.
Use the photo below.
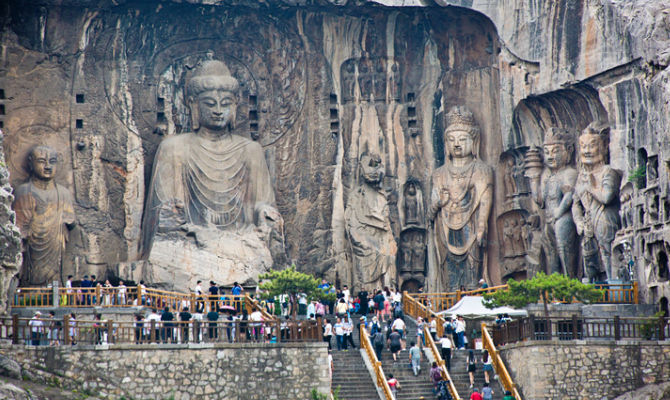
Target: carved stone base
(227, 258)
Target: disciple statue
(552, 189)
(461, 202)
(595, 207)
(369, 229)
(44, 215)
(213, 185)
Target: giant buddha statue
(44, 215)
(461, 202)
(211, 207)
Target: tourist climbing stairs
(411, 387)
(461, 379)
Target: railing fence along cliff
(382, 384)
(66, 331)
(132, 296)
(613, 294)
(438, 359)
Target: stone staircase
(349, 371)
(459, 375)
(411, 387)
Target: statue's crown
(459, 118)
(598, 128)
(556, 135)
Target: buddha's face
(217, 109)
(555, 155)
(43, 163)
(460, 144)
(373, 169)
(591, 149)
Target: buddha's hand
(267, 215)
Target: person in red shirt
(395, 385)
(475, 395)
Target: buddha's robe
(216, 184)
(43, 217)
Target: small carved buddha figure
(461, 201)
(210, 179)
(595, 208)
(44, 214)
(557, 182)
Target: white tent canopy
(473, 307)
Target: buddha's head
(593, 144)
(42, 161)
(372, 169)
(462, 133)
(558, 148)
(212, 96)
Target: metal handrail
(376, 365)
(438, 359)
(498, 364)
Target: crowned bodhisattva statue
(210, 212)
(461, 202)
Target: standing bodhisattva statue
(461, 202)
(553, 192)
(212, 181)
(44, 214)
(595, 208)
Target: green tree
(293, 283)
(542, 287)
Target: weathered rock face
(322, 85)
(10, 237)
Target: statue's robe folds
(372, 242)
(468, 195)
(213, 190)
(43, 217)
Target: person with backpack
(446, 345)
(435, 377)
(508, 395)
(378, 343)
(394, 385)
(472, 367)
(443, 391)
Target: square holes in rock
(2, 94)
(79, 98)
(79, 124)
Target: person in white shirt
(121, 294)
(346, 294)
(399, 326)
(69, 299)
(446, 345)
(327, 333)
(397, 298)
(36, 328)
(257, 321)
(460, 332)
(153, 316)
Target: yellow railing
(613, 294)
(415, 309)
(132, 296)
(438, 359)
(498, 364)
(376, 365)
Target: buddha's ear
(195, 113)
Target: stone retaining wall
(183, 372)
(585, 369)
